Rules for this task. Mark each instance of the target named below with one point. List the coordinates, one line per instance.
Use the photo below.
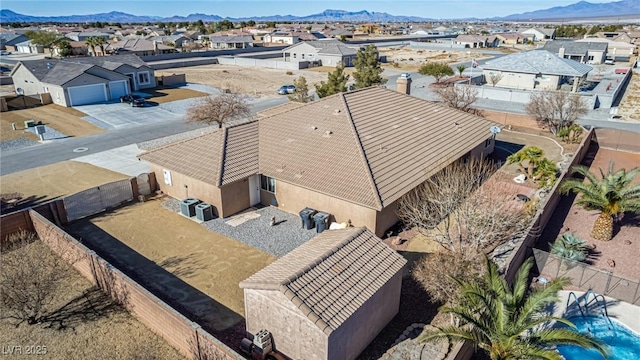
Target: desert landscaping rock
(16, 144)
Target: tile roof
(538, 61)
(574, 47)
(136, 45)
(217, 158)
(39, 68)
(231, 39)
(280, 108)
(331, 47)
(332, 275)
(63, 72)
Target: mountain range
(581, 9)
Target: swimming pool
(623, 343)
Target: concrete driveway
(113, 116)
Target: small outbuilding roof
(332, 275)
(538, 62)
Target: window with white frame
(143, 78)
(268, 184)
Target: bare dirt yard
(411, 59)
(82, 323)
(257, 82)
(66, 120)
(629, 108)
(183, 263)
(55, 180)
(163, 95)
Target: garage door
(118, 88)
(87, 94)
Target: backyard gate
(97, 199)
(144, 185)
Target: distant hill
(115, 16)
(582, 9)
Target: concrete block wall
(262, 63)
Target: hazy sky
(234, 8)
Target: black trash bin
(322, 221)
(306, 215)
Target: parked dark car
(286, 89)
(133, 100)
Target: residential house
(9, 41)
(85, 35)
(26, 47)
(328, 52)
(78, 48)
(356, 280)
(615, 49)
(353, 155)
(231, 42)
(83, 80)
(341, 34)
(512, 38)
(281, 38)
(176, 40)
(591, 52)
(540, 34)
(536, 69)
(140, 47)
(477, 41)
(424, 32)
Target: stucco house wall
(58, 95)
(234, 197)
(195, 188)
(293, 333)
(515, 80)
(293, 198)
(25, 80)
(353, 336)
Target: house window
(268, 184)
(302, 56)
(143, 78)
(294, 55)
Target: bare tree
(218, 110)
(30, 276)
(435, 273)
(462, 213)
(556, 109)
(458, 97)
(494, 78)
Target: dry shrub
(289, 72)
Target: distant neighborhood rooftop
(538, 62)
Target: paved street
(59, 150)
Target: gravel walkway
(276, 240)
(16, 144)
(155, 143)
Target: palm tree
(613, 194)
(91, 42)
(461, 68)
(509, 322)
(100, 42)
(531, 154)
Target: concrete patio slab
(122, 160)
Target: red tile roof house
(352, 155)
(327, 299)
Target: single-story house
(140, 47)
(615, 49)
(476, 41)
(78, 48)
(584, 52)
(536, 69)
(512, 38)
(329, 52)
(85, 35)
(541, 34)
(8, 41)
(281, 38)
(352, 155)
(339, 34)
(327, 299)
(83, 80)
(176, 40)
(26, 47)
(231, 42)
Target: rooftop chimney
(561, 52)
(403, 84)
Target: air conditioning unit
(263, 341)
(204, 212)
(188, 206)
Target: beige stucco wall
(293, 333)
(58, 95)
(195, 188)
(22, 78)
(524, 81)
(293, 198)
(235, 197)
(357, 332)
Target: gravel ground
(50, 133)
(16, 144)
(276, 240)
(155, 143)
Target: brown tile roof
(280, 109)
(217, 158)
(332, 275)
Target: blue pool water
(623, 343)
